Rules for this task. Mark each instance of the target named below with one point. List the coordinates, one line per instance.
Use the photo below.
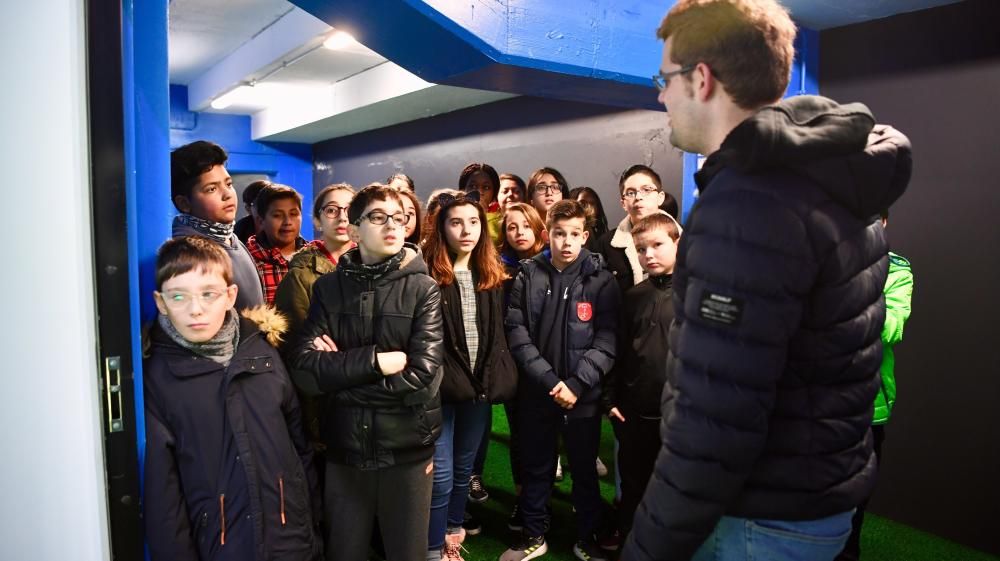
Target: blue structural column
(804, 81)
(147, 164)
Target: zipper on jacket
(281, 493)
(222, 514)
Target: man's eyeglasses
(179, 300)
(661, 79)
(333, 211)
(542, 188)
(630, 194)
(379, 218)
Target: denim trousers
(743, 539)
(462, 428)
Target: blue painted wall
(147, 169)
(284, 162)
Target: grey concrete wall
(590, 144)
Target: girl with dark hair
(546, 187)
(592, 203)
(478, 369)
(411, 206)
(483, 178)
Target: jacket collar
(622, 239)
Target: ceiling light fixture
(230, 97)
(339, 40)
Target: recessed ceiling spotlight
(339, 40)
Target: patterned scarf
(220, 348)
(351, 265)
(217, 231)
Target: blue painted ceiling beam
(601, 51)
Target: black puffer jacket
(588, 337)
(775, 348)
(635, 383)
(495, 377)
(369, 420)
(228, 472)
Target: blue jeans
(742, 539)
(462, 428)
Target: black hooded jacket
(572, 315)
(775, 347)
(368, 420)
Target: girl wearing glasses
(317, 257)
(546, 187)
(411, 206)
(478, 369)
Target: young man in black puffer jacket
(775, 348)
(373, 339)
(561, 322)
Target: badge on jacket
(584, 311)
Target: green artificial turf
(881, 539)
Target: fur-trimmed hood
(272, 324)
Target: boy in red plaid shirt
(278, 212)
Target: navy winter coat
(228, 470)
(775, 347)
(588, 331)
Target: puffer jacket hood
(863, 166)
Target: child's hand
(325, 343)
(615, 413)
(392, 362)
(563, 396)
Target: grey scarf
(220, 348)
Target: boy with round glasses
(228, 472)
(641, 196)
(373, 342)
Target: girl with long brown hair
(478, 369)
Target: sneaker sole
(479, 500)
(514, 527)
(542, 550)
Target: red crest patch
(584, 311)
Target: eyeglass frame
(661, 80)
(191, 297)
(341, 210)
(641, 190)
(544, 189)
(388, 217)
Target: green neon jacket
(898, 292)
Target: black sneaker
(515, 522)
(477, 493)
(471, 525)
(526, 548)
(589, 551)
